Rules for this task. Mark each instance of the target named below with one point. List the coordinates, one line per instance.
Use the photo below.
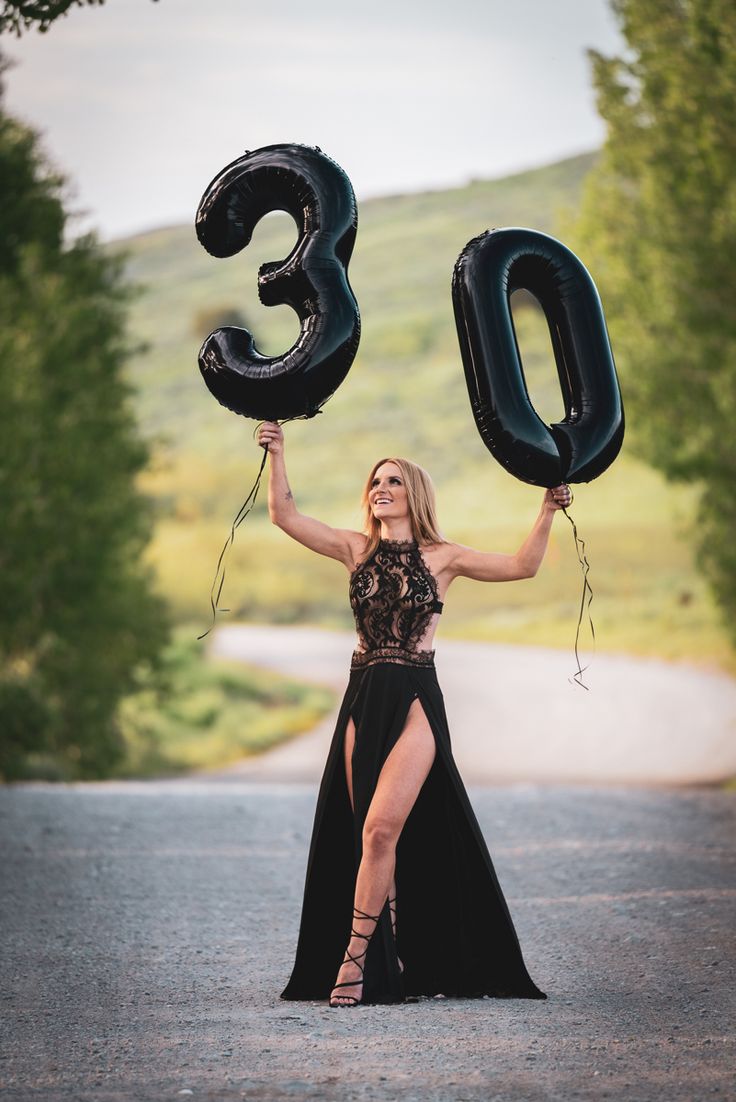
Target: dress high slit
(455, 935)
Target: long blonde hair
(420, 501)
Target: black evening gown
(454, 932)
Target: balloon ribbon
(219, 573)
(582, 559)
(242, 513)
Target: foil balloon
(313, 280)
(580, 447)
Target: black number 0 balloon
(312, 280)
(586, 442)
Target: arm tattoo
(288, 495)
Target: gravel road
(148, 928)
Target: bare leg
(399, 783)
(349, 744)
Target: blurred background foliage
(121, 474)
(19, 16)
(81, 620)
(92, 681)
(658, 224)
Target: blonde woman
(401, 897)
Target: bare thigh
(402, 774)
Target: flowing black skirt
(454, 932)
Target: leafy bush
(213, 712)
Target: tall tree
(20, 15)
(658, 227)
(81, 625)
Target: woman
(397, 859)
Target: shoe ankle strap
(357, 913)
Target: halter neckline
(394, 597)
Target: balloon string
(240, 516)
(242, 513)
(582, 559)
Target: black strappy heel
(357, 913)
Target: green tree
(81, 624)
(20, 15)
(658, 229)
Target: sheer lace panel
(393, 595)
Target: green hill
(405, 395)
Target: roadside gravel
(148, 928)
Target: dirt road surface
(148, 928)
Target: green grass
(405, 395)
(218, 712)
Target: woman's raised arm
(336, 543)
(491, 566)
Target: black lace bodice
(393, 596)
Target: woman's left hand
(558, 497)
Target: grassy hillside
(405, 395)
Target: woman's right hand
(271, 436)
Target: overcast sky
(142, 103)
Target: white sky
(142, 103)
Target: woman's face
(387, 494)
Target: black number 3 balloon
(586, 442)
(312, 280)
